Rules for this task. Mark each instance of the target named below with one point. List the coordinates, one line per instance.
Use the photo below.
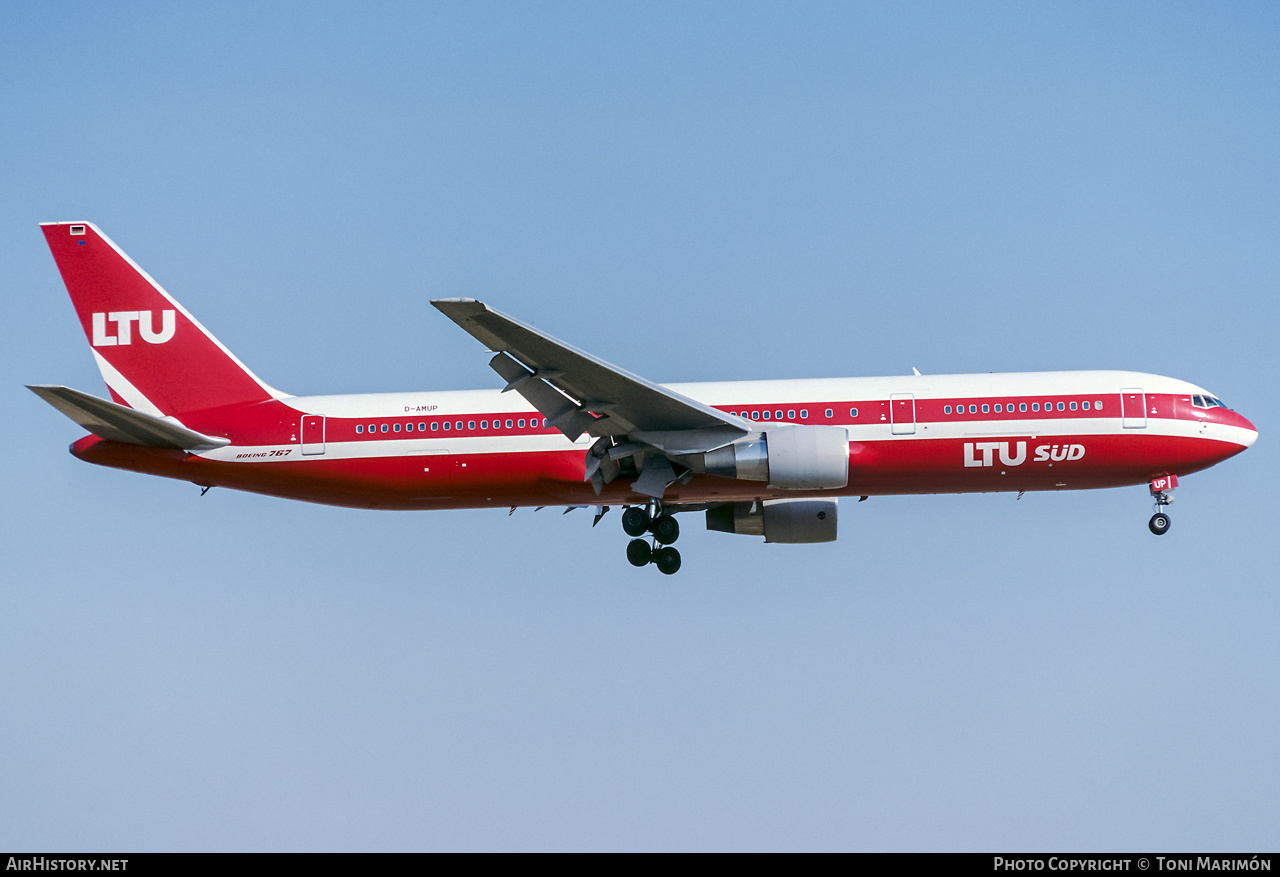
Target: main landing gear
(1161, 491)
(637, 521)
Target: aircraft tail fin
(154, 356)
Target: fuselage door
(312, 434)
(1133, 408)
(902, 413)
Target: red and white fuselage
(482, 448)
(578, 431)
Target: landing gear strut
(639, 520)
(1161, 490)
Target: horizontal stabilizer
(119, 423)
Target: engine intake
(788, 457)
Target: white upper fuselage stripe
(878, 432)
(1104, 385)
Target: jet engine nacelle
(777, 520)
(788, 457)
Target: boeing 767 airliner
(765, 458)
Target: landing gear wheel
(635, 521)
(666, 530)
(1159, 523)
(668, 560)
(639, 553)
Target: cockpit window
(1207, 401)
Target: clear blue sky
(695, 192)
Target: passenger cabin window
(997, 408)
(397, 428)
(755, 415)
(1035, 406)
(359, 428)
(791, 415)
(986, 409)
(830, 414)
(448, 425)
(1084, 405)
(435, 426)
(1022, 406)
(804, 413)
(1073, 406)
(384, 427)
(1061, 406)
(471, 424)
(508, 424)
(946, 409)
(853, 412)
(973, 409)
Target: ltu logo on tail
(124, 321)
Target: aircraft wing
(579, 393)
(119, 423)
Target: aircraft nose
(1251, 431)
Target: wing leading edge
(579, 393)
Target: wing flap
(119, 423)
(563, 413)
(585, 393)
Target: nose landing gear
(636, 521)
(1161, 490)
